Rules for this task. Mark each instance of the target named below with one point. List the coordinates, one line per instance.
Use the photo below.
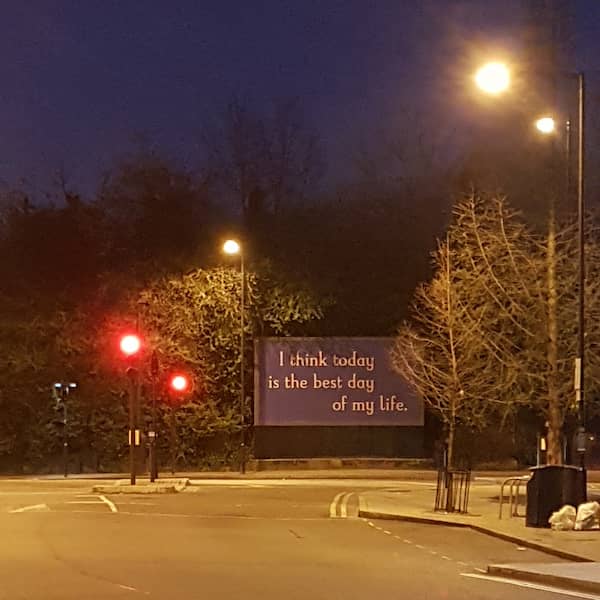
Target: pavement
(414, 502)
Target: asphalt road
(236, 541)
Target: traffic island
(165, 486)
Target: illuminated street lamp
(494, 78)
(232, 247)
(546, 125)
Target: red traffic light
(130, 344)
(179, 383)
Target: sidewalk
(414, 502)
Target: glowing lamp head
(130, 344)
(231, 247)
(493, 78)
(179, 383)
(546, 125)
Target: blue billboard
(330, 381)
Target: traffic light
(130, 344)
(60, 392)
(179, 383)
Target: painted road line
(532, 586)
(344, 505)
(31, 508)
(333, 505)
(109, 503)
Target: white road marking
(532, 586)
(419, 547)
(407, 541)
(387, 532)
(370, 524)
(333, 505)
(344, 505)
(109, 503)
(31, 508)
(444, 557)
(126, 587)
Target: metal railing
(452, 492)
(514, 495)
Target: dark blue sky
(79, 80)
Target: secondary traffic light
(179, 383)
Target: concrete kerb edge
(559, 581)
(480, 529)
(123, 487)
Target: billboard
(330, 381)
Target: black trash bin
(550, 488)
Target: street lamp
(546, 125)
(233, 247)
(494, 78)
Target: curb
(486, 531)
(167, 486)
(570, 583)
(134, 489)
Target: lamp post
(494, 78)
(233, 247)
(580, 363)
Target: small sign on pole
(578, 374)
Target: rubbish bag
(588, 516)
(563, 519)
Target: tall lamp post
(494, 78)
(233, 247)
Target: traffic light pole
(133, 433)
(152, 434)
(60, 393)
(64, 392)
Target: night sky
(80, 81)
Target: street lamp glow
(493, 78)
(546, 125)
(231, 247)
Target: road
(263, 540)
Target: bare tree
(526, 284)
(263, 160)
(444, 355)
